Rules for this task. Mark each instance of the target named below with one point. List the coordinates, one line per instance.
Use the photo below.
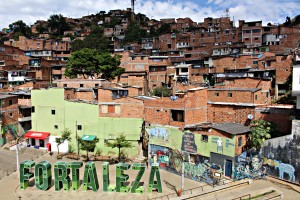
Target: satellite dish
(250, 116)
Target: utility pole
(132, 10)
(182, 174)
(77, 142)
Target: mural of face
(256, 163)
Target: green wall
(86, 115)
(174, 139)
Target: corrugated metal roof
(232, 128)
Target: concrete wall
(282, 155)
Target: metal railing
(248, 196)
(218, 190)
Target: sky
(274, 11)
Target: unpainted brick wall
(228, 113)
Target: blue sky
(273, 11)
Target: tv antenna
(227, 12)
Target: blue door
(228, 168)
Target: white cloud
(268, 11)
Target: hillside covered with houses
(192, 86)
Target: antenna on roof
(227, 12)
(132, 9)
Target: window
(204, 138)
(79, 127)
(32, 109)
(177, 115)
(116, 108)
(255, 62)
(169, 46)
(96, 84)
(229, 94)
(240, 141)
(81, 85)
(111, 109)
(53, 112)
(65, 85)
(55, 126)
(11, 114)
(183, 70)
(217, 94)
(10, 102)
(157, 68)
(256, 97)
(119, 93)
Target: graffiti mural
(248, 165)
(196, 167)
(283, 159)
(285, 168)
(188, 142)
(159, 135)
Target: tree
(57, 24)
(109, 66)
(134, 33)
(89, 62)
(41, 28)
(65, 136)
(162, 92)
(165, 28)
(261, 130)
(287, 21)
(120, 142)
(20, 28)
(95, 40)
(88, 146)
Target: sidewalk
(9, 186)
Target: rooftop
(235, 89)
(4, 96)
(234, 104)
(77, 80)
(232, 128)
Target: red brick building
(190, 109)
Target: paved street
(9, 185)
(8, 159)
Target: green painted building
(175, 139)
(215, 148)
(51, 113)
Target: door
(228, 168)
(32, 141)
(42, 143)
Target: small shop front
(37, 139)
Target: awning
(88, 137)
(37, 135)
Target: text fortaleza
(63, 170)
